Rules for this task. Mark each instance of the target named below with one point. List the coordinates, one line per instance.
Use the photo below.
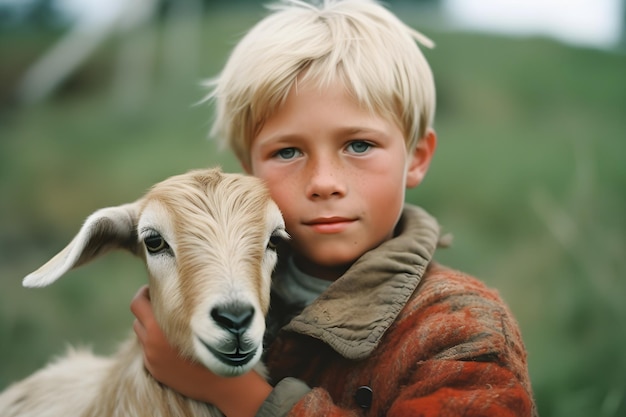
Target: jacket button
(363, 396)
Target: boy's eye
(359, 146)
(287, 153)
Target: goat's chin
(224, 364)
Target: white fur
(218, 228)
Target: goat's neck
(129, 390)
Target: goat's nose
(234, 318)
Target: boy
(332, 106)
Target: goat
(208, 240)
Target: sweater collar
(354, 312)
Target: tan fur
(218, 227)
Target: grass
(528, 176)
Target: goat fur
(218, 232)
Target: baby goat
(208, 240)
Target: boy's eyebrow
(278, 137)
(339, 132)
(358, 130)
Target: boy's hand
(189, 378)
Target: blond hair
(358, 42)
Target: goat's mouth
(236, 358)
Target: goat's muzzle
(235, 319)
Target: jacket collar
(352, 315)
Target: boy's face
(338, 174)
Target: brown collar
(370, 295)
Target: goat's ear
(106, 229)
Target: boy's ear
(420, 159)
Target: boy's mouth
(329, 225)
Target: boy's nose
(325, 181)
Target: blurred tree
(239, 3)
(623, 41)
(30, 13)
(46, 13)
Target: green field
(529, 176)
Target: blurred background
(98, 101)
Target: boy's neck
(328, 273)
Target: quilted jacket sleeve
(282, 399)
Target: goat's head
(208, 240)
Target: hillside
(529, 176)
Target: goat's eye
(155, 243)
(273, 242)
(278, 236)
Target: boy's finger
(140, 331)
(140, 304)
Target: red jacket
(400, 335)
